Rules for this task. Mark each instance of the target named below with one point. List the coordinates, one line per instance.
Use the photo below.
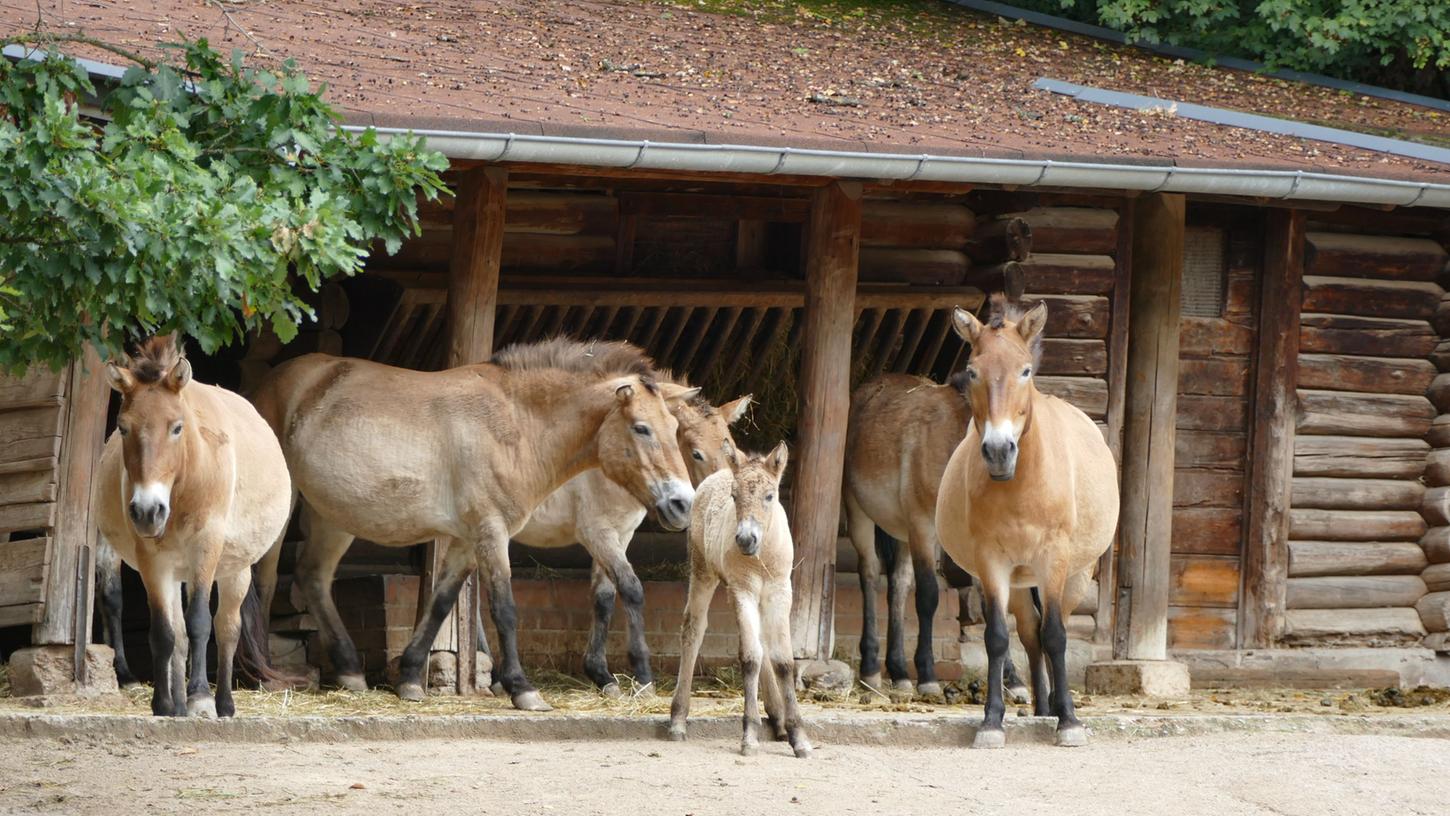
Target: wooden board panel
(1355, 592)
(1352, 414)
(1357, 494)
(1308, 524)
(1340, 254)
(1220, 376)
(22, 571)
(1073, 357)
(1205, 449)
(1201, 627)
(1315, 558)
(1207, 530)
(1084, 316)
(1072, 229)
(1204, 581)
(1377, 336)
(1375, 375)
(34, 486)
(1359, 457)
(1193, 487)
(32, 516)
(1089, 394)
(1196, 413)
(27, 427)
(1396, 625)
(1370, 298)
(37, 387)
(1069, 274)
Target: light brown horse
(1029, 498)
(466, 455)
(192, 488)
(740, 536)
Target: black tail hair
(254, 660)
(887, 550)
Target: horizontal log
(1083, 316)
(1354, 591)
(1370, 298)
(32, 516)
(1436, 506)
(1089, 394)
(1356, 494)
(1315, 558)
(1006, 278)
(1194, 487)
(37, 387)
(1063, 356)
(1375, 375)
(945, 267)
(1351, 414)
(724, 207)
(1434, 610)
(1439, 433)
(1437, 467)
(1202, 627)
(1437, 642)
(1203, 449)
(1439, 392)
(1311, 524)
(1207, 530)
(1070, 274)
(1072, 229)
(1441, 320)
(1213, 337)
(1339, 254)
(1440, 356)
(540, 212)
(1395, 625)
(32, 486)
(1436, 544)
(1437, 577)
(916, 224)
(1197, 413)
(1356, 457)
(1225, 377)
(999, 240)
(521, 252)
(1203, 581)
(1378, 336)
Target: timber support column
(832, 249)
(473, 273)
(1140, 642)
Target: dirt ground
(1220, 774)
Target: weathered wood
(1434, 611)
(1439, 392)
(49, 463)
(27, 430)
(1195, 487)
(1436, 506)
(23, 566)
(1271, 438)
(540, 212)
(1338, 254)
(1121, 302)
(714, 205)
(1350, 414)
(1437, 467)
(1441, 320)
(1201, 627)
(1212, 337)
(1316, 558)
(1006, 278)
(37, 387)
(1072, 229)
(917, 224)
(1355, 591)
(32, 486)
(31, 516)
(1437, 577)
(834, 237)
(1219, 377)
(1001, 239)
(1312, 524)
(1204, 581)
(1070, 274)
(1084, 316)
(1375, 375)
(942, 267)
(1063, 356)
(1394, 625)
(1440, 356)
(1089, 394)
(1207, 449)
(1357, 494)
(1207, 530)
(1359, 457)
(1436, 544)
(1437, 641)
(1198, 413)
(1146, 522)
(1370, 298)
(1378, 336)
(593, 254)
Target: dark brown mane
(602, 358)
(1004, 311)
(154, 357)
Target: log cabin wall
(31, 418)
(1359, 507)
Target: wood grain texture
(1374, 336)
(1353, 457)
(1352, 627)
(1351, 414)
(1357, 494)
(1355, 592)
(1338, 254)
(1072, 229)
(1370, 298)
(1434, 610)
(1315, 558)
(1355, 525)
(1374, 375)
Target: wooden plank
(1089, 394)
(1338, 254)
(1355, 457)
(49, 463)
(1224, 377)
(1072, 229)
(32, 516)
(1193, 487)
(937, 267)
(1313, 524)
(1207, 530)
(1208, 449)
(1204, 581)
(1316, 558)
(21, 488)
(1120, 324)
(1377, 336)
(1357, 494)
(1397, 625)
(1199, 413)
(1198, 627)
(37, 387)
(1062, 274)
(23, 566)
(1350, 414)
(915, 224)
(1006, 278)
(1374, 375)
(1073, 357)
(833, 249)
(1354, 591)
(1147, 519)
(29, 430)
(1370, 298)
(1212, 337)
(1082, 316)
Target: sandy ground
(1222, 774)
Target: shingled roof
(907, 77)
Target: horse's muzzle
(149, 518)
(747, 537)
(1000, 458)
(674, 505)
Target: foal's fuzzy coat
(739, 534)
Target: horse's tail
(888, 550)
(253, 654)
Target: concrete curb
(939, 731)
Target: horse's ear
(179, 375)
(624, 393)
(1033, 322)
(732, 455)
(778, 459)
(674, 392)
(967, 326)
(120, 378)
(735, 409)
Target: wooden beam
(1271, 445)
(834, 237)
(1151, 407)
(1120, 309)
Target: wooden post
(1271, 440)
(1117, 396)
(833, 246)
(478, 217)
(66, 619)
(1151, 407)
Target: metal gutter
(1283, 185)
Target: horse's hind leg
(775, 613)
(493, 560)
(413, 665)
(923, 558)
(868, 569)
(1029, 624)
(320, 555)
(747, 616)
(108, 580)
(610, 553)
(692, 634)
(898, 583)
(199, 700)
(596, 663)
(231, 591)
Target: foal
(1029, 498)
(191, 488)
(739, 535)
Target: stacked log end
(1370, 517)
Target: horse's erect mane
(1005, 310)
(154, 357)
(602, 358)
(699, 403)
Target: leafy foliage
(210, 189)
(1403, 43)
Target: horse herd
(563, 441)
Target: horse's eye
(122, 429)
(176, 429)
(1027, 372)
(699, 457)
(769, 497)
(972, 374)
(642, 430)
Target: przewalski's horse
(602, 516)
(1029, 498)
(399, 456)
(740, 535)
(902, 430)
(192, 488)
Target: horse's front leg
(207, 552)
(747, 617)
(692, 635)
(994, 610)
(775, 625)
(413, 665)
(493, 560)
(163, 595)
